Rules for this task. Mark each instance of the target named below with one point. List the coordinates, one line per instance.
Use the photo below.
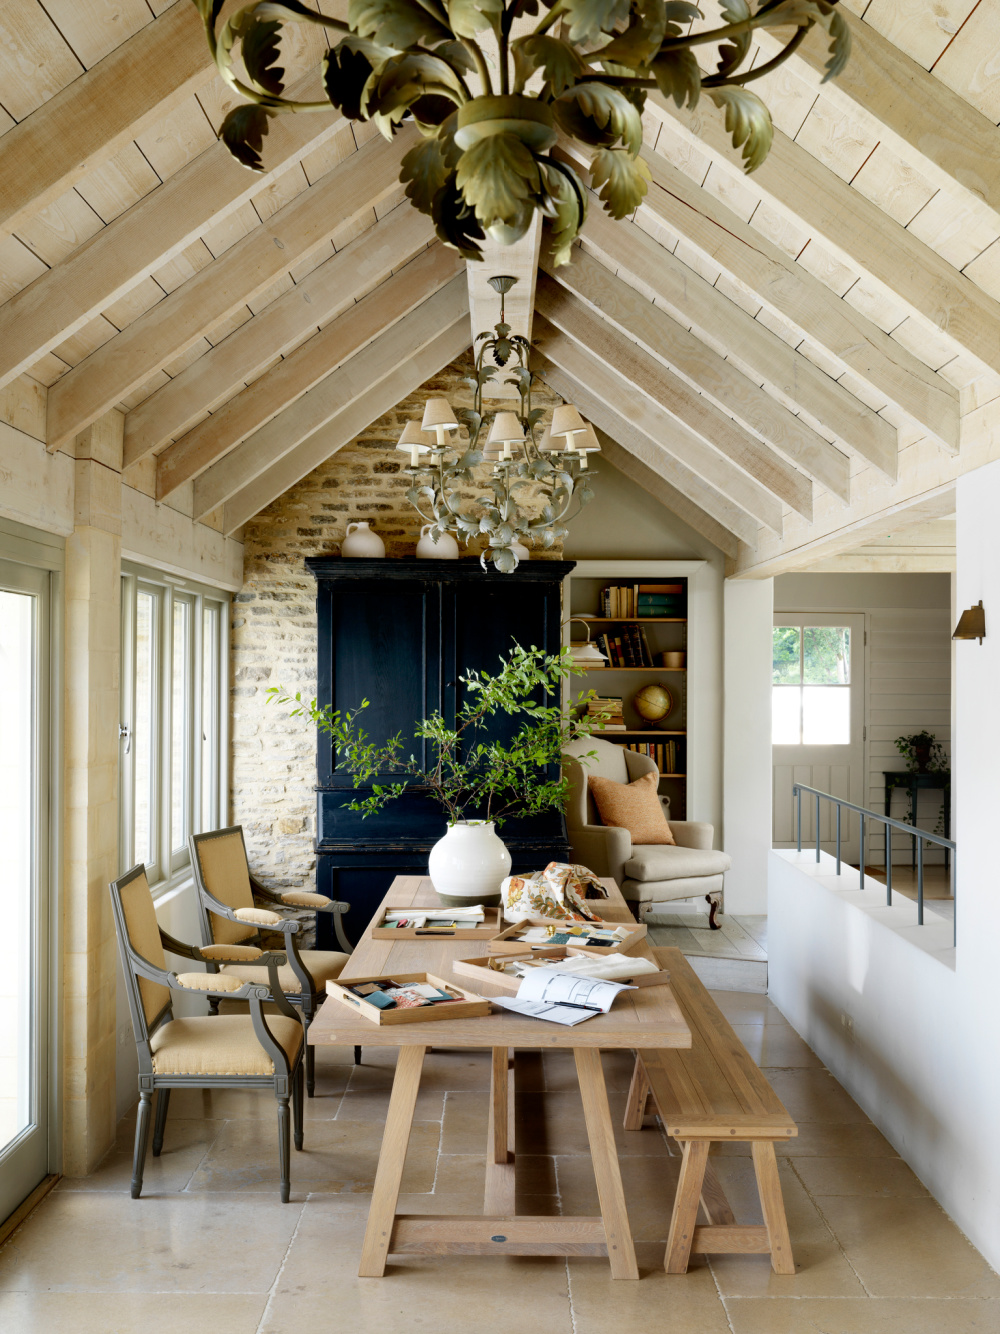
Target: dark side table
(917, 782)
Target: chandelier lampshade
(566, 420)
(415, 442)
(439, 416)
(585, 443)
(506, 431)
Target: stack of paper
(560, 997)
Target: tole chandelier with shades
(531, 484)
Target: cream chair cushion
(224, 1044)
(208, 982)
(321, 964)
(300, 898)
(658, 862)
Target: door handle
(125, 731)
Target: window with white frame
(173, 732)
(811, 685)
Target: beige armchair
(651, 874)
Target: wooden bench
(713, 1091)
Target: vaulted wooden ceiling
(763, 353)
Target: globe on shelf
(652, 703)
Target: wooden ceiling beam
(154, 230)
(650, 451)
(635, 316)
(97, 114)
(171, 326)
(321, 296)
(381, 396)
(922, 114)
(771, 481)
(260, 402)
(311, 411)
(855, 229)
(635, 256)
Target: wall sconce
(971, 623)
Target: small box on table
(421, 923)
(597, 938)
(467, 1004)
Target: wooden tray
(491, 924)
(480, 970)
(470, 1008)
(506, 942)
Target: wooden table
(648, 1017)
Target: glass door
(24, 712)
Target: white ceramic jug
(469, 864)
(361, 542)
(445, 548)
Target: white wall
(746, 730)
(925, 1058)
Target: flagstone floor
(210, 1247)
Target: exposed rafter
(402, 379)
(149, 234)
(681, 406)
(109, 105)
(858, 231)
(649, 451)
(638, 319)
(333, 346)
(353, 381)
(252, 264)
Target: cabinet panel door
(378, 641)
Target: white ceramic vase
(362, 543)
(445, 548)
(469, 864)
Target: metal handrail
(920, 836)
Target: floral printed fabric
(558, 891)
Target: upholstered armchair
(229, 916)
(648, 875)
(202, 1051)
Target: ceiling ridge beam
(777, 480)
(404, 378)
(351, 381)
(169, 328)
(857, 230)
(657, 333)
(322, 295)
(101, 111)
(649, 451)
(948, 139)
(607, 386)
(334, 345)
(146, 236)
(633, 254)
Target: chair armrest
(301, 898)
(294, 898)
(602, 848)
(692, 833)
(230, 953)
(248, 916)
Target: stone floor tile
(666, 1303)
(812, 1315)
(258, 1104)
(128, 1313)
(858, 1176)
(822, 1140)
(338, 1156)
(439, 1294)
(776, 1046)
(814, 1095)
(83, 1242)
(465, 1123)
(738, 1181)
(745, 1007)
(649, 1185)
(907, 1248)
(820, 1271)
(367, 1097)
(185, 1144)
(552, 1124)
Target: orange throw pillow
(632, 806)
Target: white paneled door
(24, 718)
(818, 724)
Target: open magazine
(561, 998)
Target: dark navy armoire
(401, 634)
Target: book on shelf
(665, 753)
(606, 714)
(620, 602)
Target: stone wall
(274, 623)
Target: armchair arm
(268, 991)
(248, 916)
(692, 833)
(603, 848)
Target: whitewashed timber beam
(520, 261)
(181, 319)
(405, 376)
(665, 454)
(332, 346)
(153, 231)
(709, 373)
(96, 115)
(352, 382)
(855, 229)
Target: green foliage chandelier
(484, 165)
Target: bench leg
(765, 1165)
(686, 1201)
(713, 1199)
(638, 1096)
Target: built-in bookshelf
(635, 621)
